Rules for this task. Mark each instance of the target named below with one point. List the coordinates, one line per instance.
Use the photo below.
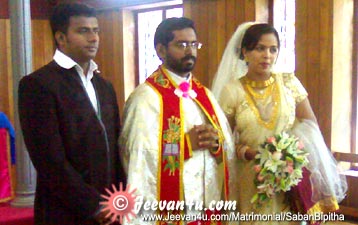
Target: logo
(120, 203)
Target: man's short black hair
(164, 33)
(60, 18)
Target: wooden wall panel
(40, 9)
(110, 54)
(222, 36)
(215, 21)
(314, 57)
(4, 9)
(43, 46)
(6, 93)
(110, 4)
(326, 68)
(300, 42)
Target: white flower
(264, 156)
(277, 155)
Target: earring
(246, 60)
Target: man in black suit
(70, 121)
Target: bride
(260, 103)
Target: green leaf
(254, 198)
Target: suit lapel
(79, 92)
(98, 93)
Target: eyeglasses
(186, 45)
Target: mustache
(189, 57)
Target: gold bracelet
(242, 148)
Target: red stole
(174, 145)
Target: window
(147, 22)
(354, 78)
(343, 135)
(284, 22)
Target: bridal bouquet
(278, 166)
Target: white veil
(325, 176)
(231, 66)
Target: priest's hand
(203, 136)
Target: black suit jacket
(73, 149)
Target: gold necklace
(258, 84)
(275, 93)
(266, 92)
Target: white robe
(203, 177)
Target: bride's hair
(253, 34)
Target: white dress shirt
(66, 62)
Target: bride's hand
(244, 152)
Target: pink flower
(289, 162)
(257, 168)
(300, 145)
(184, 86)
(271, 140)
(260, 177)
(289, 169)
(183, 90)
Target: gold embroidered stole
(174, 145)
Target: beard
(182, 65)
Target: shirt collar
(177, 78)
(66, 62)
